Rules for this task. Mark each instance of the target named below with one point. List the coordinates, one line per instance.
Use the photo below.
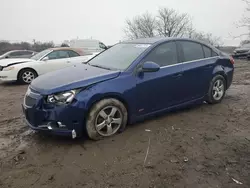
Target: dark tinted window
(14, 54)
(207, 51)
(72, 54)
(163, 55)
(27, 52)
(191, 51)
(58, 54)
(214, 53)
(101, 45)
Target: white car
(25, 70)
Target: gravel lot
(203, 146)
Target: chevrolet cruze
(126, 83)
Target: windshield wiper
(99, 66)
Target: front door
(159, 90)
(55, 60)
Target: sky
(59, 20)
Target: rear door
(198, 65)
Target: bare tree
(167, 23)
(244, 42)
(208, 38)
(245, 21)
(170, 23)
(141, 26)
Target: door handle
(177, 75)
(208, 67)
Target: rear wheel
(106, 118)
(216, 90)
(26, 76)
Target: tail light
(232, 60)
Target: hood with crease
(71, 78)
(8, 62)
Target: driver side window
(164, 54)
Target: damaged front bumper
(53, 129)
(59, 120)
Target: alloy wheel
(218, 89)
(108, 121)
(28, 76)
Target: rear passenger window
(191, 51)
(164, 54)
(207, 51)
(72, 54)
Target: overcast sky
(104, 20)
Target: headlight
(8, 68)
(62, 98)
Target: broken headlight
(62, 98)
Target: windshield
(39, 55)
(119, 56)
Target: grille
(242, 51)
(29, 101)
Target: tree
(204, 37)
(244, 42)
(167, 23)
(245, 21)
(141, 26)
(170, 23)
(64, 45)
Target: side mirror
(6, 57)
(46, 58)
(150, 66)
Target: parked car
(242, 52)
(25, 70)
(126, 83)
(18, 54)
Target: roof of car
(64, 48)
(147, 40)
(153, 40)
(78, 50)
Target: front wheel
(216, 90)
(106, 118)
(26, 76)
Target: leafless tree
(245, 21)
(171, 23)
(167, 23)
(141, 26)
(245, 42)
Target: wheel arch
(109, 96)
(219, 70)
(26, 68)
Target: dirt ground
(203, 146)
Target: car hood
(8, 62)
(71, 78)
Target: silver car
(18, 54)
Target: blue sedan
(126, 83)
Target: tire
(214, 98)
(30, 76)
(98, 124)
